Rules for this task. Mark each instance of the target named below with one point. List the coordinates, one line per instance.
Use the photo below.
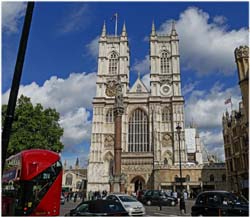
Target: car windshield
(127, 199)
(241, 199)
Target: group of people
(73, 196)
(97, 195)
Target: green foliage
(33, 127)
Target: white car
(132, 206)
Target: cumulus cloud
(93, 47)
(209, 105)
(76, 125)
(189, 87)
(71, 97)
(12, 12)
(206, 47)
(142, 66)
(206, 109)
(214, 142)
(77, 18)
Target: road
(150, 210)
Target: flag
(114, 16)
(228, 100)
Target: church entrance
(138, 182)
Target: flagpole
(116, 16)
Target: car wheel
(200, 215)
(172, 203)
(149, 202)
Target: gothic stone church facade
(150, 145)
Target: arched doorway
(138, 182)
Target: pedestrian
(185, 195)
(75, 197)
(182, 205)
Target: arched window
(113, 64)
(69, 179)
(165, 67)
(110, 116)
(212, 178)
(224, 178)
(187, 178)
(166, 114)
(138, 132)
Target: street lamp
(182, 201)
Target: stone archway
(138, 183)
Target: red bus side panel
(50, 204)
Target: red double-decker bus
(32, 184)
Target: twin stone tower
(150, 117)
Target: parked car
(157, 197)
(62, 199)
(220, 203)
(99, 208)
(140, 195)
(133, 206)
(170, 198)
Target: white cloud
(220, 19)
(76, 125)
(206, 47)
(206, 109)
(70, 97)
(11, 14)
(189, 87)
(76, 19)
(93, 47)
(142, 66)
(213, 141)
(209, 106)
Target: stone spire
(77, 163)
(104, 29)
(124, 32)
(173, 31)
(153, 33)
(65, 164)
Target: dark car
(158, 197)
(140, 195)
(99, 208)
(220, 203)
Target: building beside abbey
(150, 144)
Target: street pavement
(150, 210)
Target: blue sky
(61, 59)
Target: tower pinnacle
(124, 33)
(104, 29)
(173, 31)
(153, 33)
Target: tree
(33, 127)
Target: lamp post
(182, 201)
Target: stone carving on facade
(166, 80)
(109, 141)
(119, 107)
(242, 51)
(111, 88)
(135, 168)
(166, 140)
